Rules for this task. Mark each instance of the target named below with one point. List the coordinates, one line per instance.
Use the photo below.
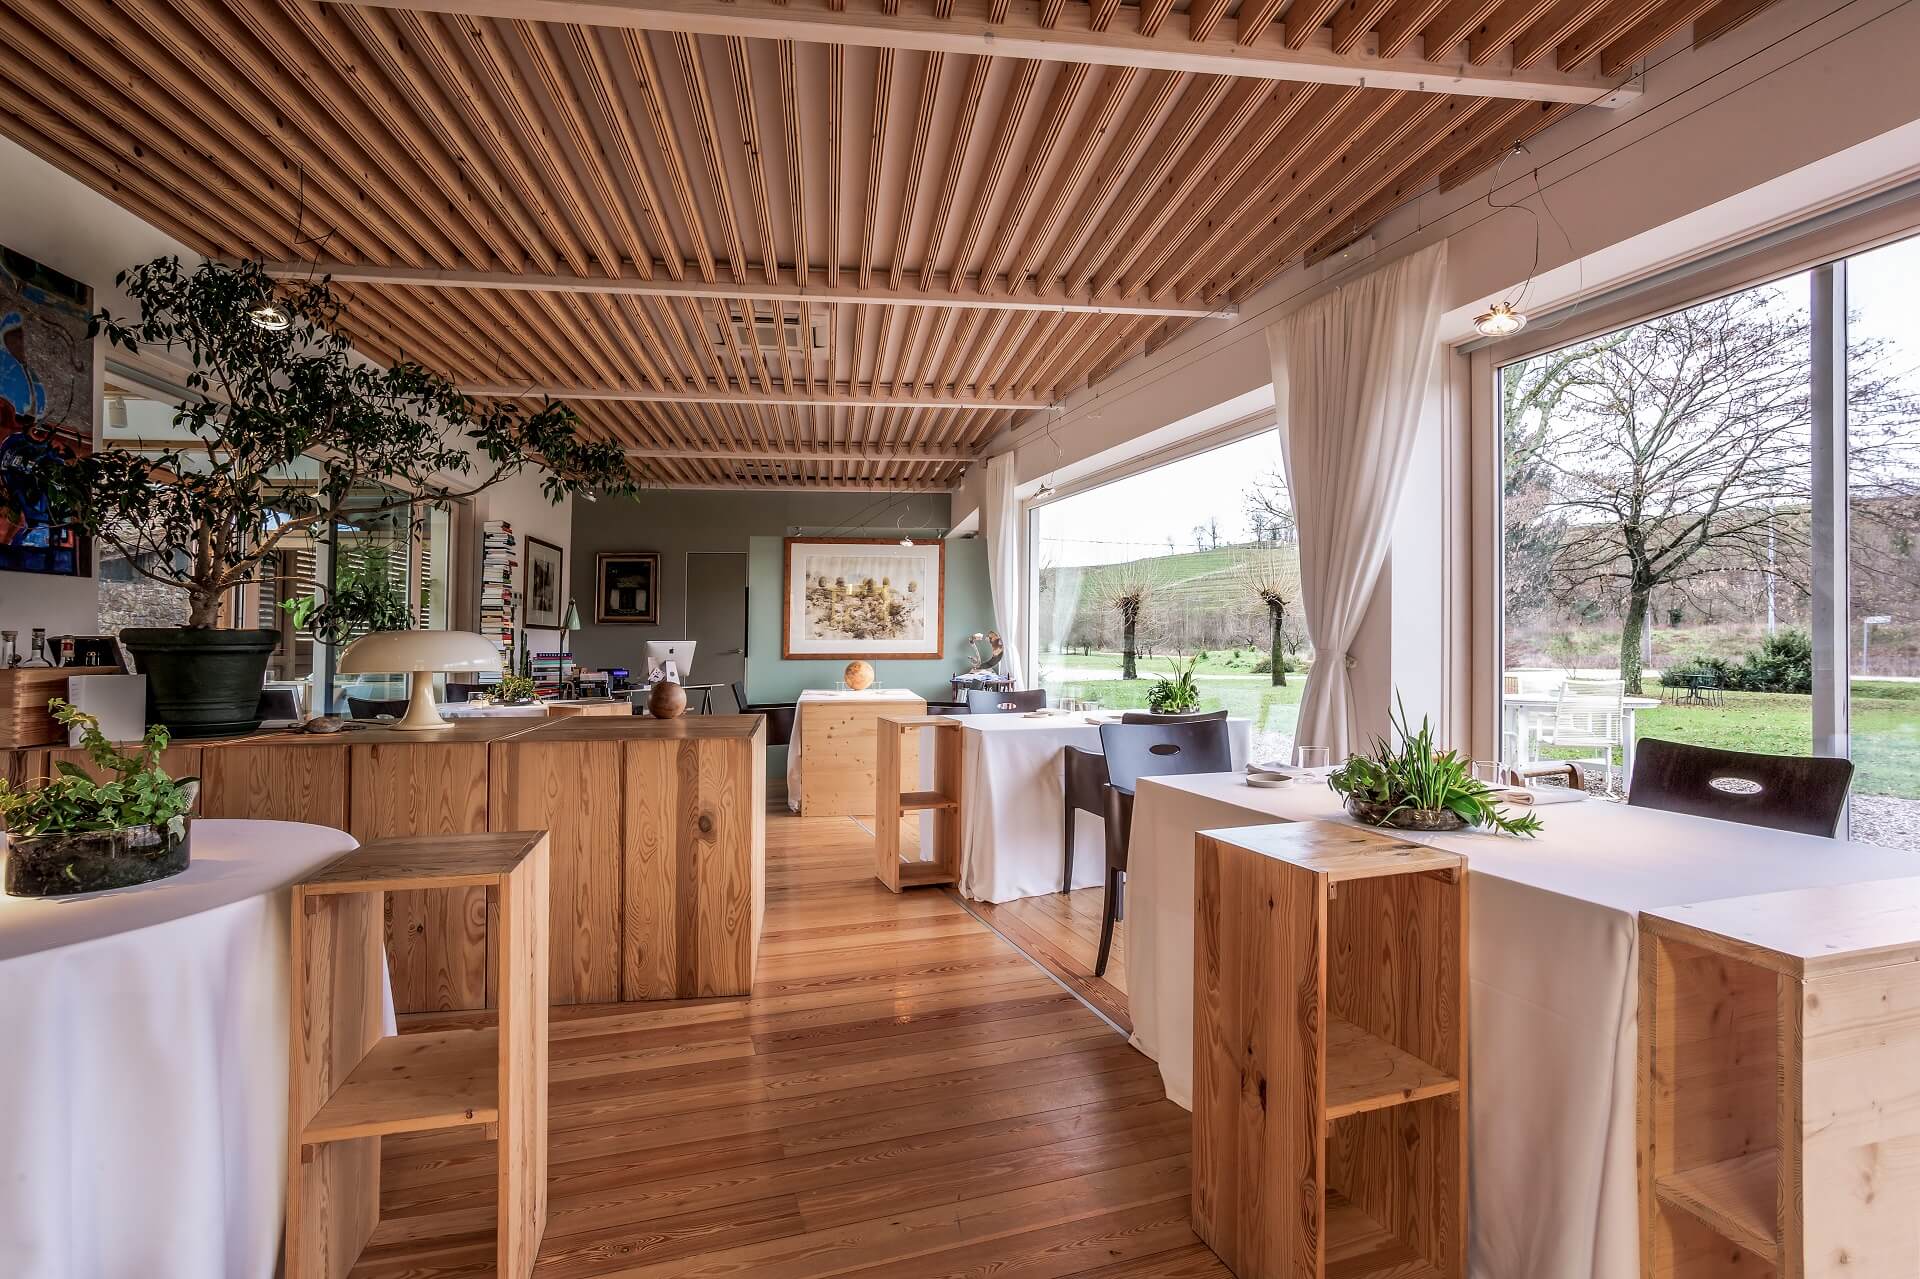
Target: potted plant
(514, 690)
(73, 834)
(364, 598)
(1177, 693)
(1416, 786)
(272, 381)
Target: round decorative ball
(667, 701)
(858, 675)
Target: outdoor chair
(1590, 714)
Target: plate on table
(1269, 781)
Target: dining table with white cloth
(1553, 999)
(795, 773)
(143, 1081)
(1013, 801)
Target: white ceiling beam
(803, 453)
(842, 396)
(1022, 35)
(784, 290)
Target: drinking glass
(1490, 772)
(1313, 760)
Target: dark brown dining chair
(1134, 751)
(987, 701)
(375, 707)
(779, 715)
(1086, 786)
(1804, 793)
(1182, 717)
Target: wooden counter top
(573, 728)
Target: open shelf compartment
(906, 821)
(415, 1082)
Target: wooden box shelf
(351, 1085)
(897, 756)
(1778, 1036)
(1329, 1100)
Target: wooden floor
(904, 1095)
(1061, 933)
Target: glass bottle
(9, 648)
(38, 657)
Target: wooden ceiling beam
(784, 290)
(1019, 33)
(841, 396)
(900, 453)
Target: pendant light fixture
(1499, 320)
(1505, 318)
(269, 317)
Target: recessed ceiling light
(269, 317)
(1499, 321)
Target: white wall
(1788, 116)
(56, 220)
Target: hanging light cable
(1505, 317)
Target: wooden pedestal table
(896, 742)
(1779, 1091)
(350, 1085)
(1330, 1051)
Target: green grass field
(1886, 715)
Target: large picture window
(1669, 563)
(1192, 561)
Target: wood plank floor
(1061, 933)
(904, 1095)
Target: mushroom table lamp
(419, 654)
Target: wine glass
(1490, 772)
(1314, 761)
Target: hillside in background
(1200, 600)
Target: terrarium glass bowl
(1404, 818)
(64, 863)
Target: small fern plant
(1417, 776)
(137, 792)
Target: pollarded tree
(1127, 590)
(1272, 575)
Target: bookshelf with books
(499, 560)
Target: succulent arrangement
(1415, 785)
(137, 792)
(1177, 693)
(514, 689)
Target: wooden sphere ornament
(859, 675)
(667, 701)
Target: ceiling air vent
(747, 324)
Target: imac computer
(670, 660)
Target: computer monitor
(670, 659)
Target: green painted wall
(770, 678)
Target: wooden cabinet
(1779, 1095)
(1329, 1054)
(898, 802)
(837, 752)
(658, 839)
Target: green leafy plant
(138, 791)
(514, 688)
(1178, 693)
(273, 380)
(1417, 776)
(365, 598)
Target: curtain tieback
(1351, 661)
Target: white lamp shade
(397, 652)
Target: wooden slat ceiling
(811, 244)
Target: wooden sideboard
(658, 877)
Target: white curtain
(1350, 378)
(1005, 526)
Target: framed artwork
(866, 597)
(627, 587)
(46, 409)
(544, 585)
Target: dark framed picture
(628, 587)
(545, 584)
(46, 411)
(864, 597)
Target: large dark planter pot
(202, 683)
(90, 861)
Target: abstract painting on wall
(864, 597)
(46, 408)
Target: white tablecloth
(1014, 800)
(828, 695)
(143, 1073)
(1554, 994)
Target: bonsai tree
(274, 380)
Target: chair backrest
(1187, 717)
(1163, 750)
(1533, 682)
(987, 701)
(779, 724)
(947, 708)
(1085, 777)
(1590, 709)
(1803, 793)
(375, 707)
(740, 702)
(459, 692)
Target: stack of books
(549, 672)
(499, 558)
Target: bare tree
(1273, 577)
(1269, 508)
(1127, 590)
(1672, 450)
